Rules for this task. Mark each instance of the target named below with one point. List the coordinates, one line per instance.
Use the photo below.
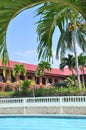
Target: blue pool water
(42, 123)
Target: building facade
(50, 77)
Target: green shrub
(26, 85)
(41, 92)
(7, 94)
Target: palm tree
(82, 64)
(41, 67)
(71, 29)
(11, 8)
(68, 61)
(70, 37)
(18, 70)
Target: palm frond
(9, 9)
(46, 26)
(68, 61)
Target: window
(50, 80)
(21, 77)
(1, 78)
(12, 78)
(29, 77)
(43, 81)
(55, 80)
(37, 80)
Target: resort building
(50, 77)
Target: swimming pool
(42, 123)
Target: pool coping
(73, 116)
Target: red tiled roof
(54, 71)
(28, 67)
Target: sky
(22, 38)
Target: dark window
(43, 81)
(2, 79)
(12, 78)
(21, 77)
(37, 80)
(50, 80)
(29, 77)
(55, 80)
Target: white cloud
(28, 56)
(26, 53)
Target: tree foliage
(64, 17)
(42, 67)
(69, 62)
(19, 69)
(9, 9)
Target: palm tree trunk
(73, 76)
(9, 76)
(74, 35)
(17, 77)
(83, 80)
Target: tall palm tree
(72, 32)
(82, 64)
(9, 9)
(70, 37)
(68, 61)
(18, 70)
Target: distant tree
(41, 67)
(82, 64)
(68, 61)
(18, 70)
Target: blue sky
(22, 38)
